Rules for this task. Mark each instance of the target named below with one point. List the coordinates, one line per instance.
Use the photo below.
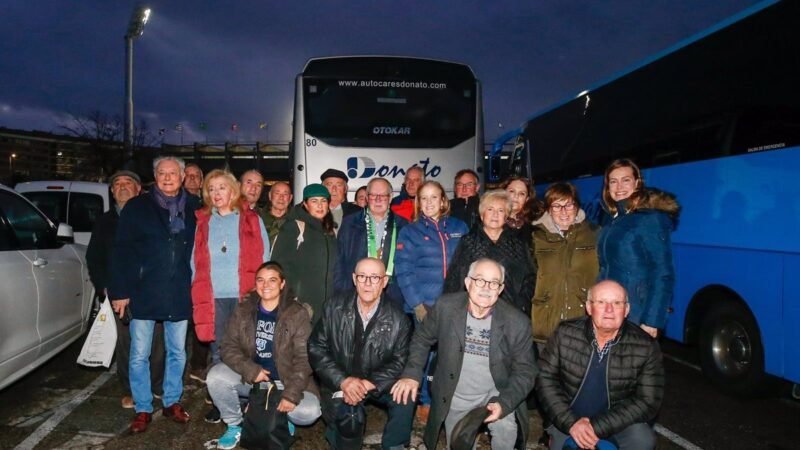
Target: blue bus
(715, 120)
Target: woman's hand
(285, 406)
(262, 376)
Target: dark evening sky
(235, 62)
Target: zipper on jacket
(444, 249)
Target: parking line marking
(682, 362)
(675, 438)
(63, 411)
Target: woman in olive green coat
(566, 255)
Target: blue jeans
(139, 363)
(223, 310)
(638, 436)
(396, 432)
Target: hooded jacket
(635, 250)
(567, 268)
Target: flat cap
(333, 173)
(124, 173)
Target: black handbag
(264, 427)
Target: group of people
(443, 308)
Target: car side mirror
(64, 234)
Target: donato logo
(364, 167)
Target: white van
(76, 203)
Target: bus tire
(731, 353)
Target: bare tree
(95, 126)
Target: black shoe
(213, 416)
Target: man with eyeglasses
(357, 350)
(464, 205)
(372, 232)
(602, 377)
(485, 364)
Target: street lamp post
(135, 29)
(11, 158)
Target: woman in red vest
(229, 246)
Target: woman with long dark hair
(635, 246)
(306, 248)
(525, 207)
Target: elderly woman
(525, 207)
(494, 240)
(635, 247)
(306, 248)
(266, 341)
(230, 243)
(566, 259)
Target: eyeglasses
(480, 282)
(616, 304)
(373, 279)
(378, 196)
(566, 207)
(466, 185)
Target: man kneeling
(265, 342)
(358, 349)
(601, 377)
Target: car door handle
(40, 262)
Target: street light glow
(139, 18)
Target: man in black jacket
(125, 185)
(601, 376)
(358, 350)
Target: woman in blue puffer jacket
(635, 247)
(423, 253)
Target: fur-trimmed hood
(661, 201)
(547, 222)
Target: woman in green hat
(306, 248)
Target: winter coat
(511, 252)
(385, 348)
(99, 251)
(566, 268)
(635, 250)
(403, 205)
(424, 251)
(251, 253)
(308, 263)
(152, 265)
(273, 224)
(635, 376)
(238, 348)
(511, 362)
(353, 248)
(466, 209)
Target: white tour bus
(375, 116)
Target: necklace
(224, 247)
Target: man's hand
(583, 433)
(496, 411)
(285, 406)
(650, 330)
(420, 311)
(403, 388)
(119, 306)
(262, 376)
(353, 390)
(368, 385)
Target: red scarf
(251, 251)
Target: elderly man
(357, 351)
(465, 204)
(372, 232)
(124, 186)
(403, 204)
(485, 360)
(602, 377)
(280, 198)
(252, 184)
(336, 183)
(193, 181)
(152, 276)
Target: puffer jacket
(424, 250)
(635, 376)
(385, 350)
(238, 348)
(510, 251)
(635, 250)
(308, 263)
(566, 268)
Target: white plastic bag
(101, 340)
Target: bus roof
(386, 65)
(658, 55)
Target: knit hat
(124, 173)
(316, 190)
